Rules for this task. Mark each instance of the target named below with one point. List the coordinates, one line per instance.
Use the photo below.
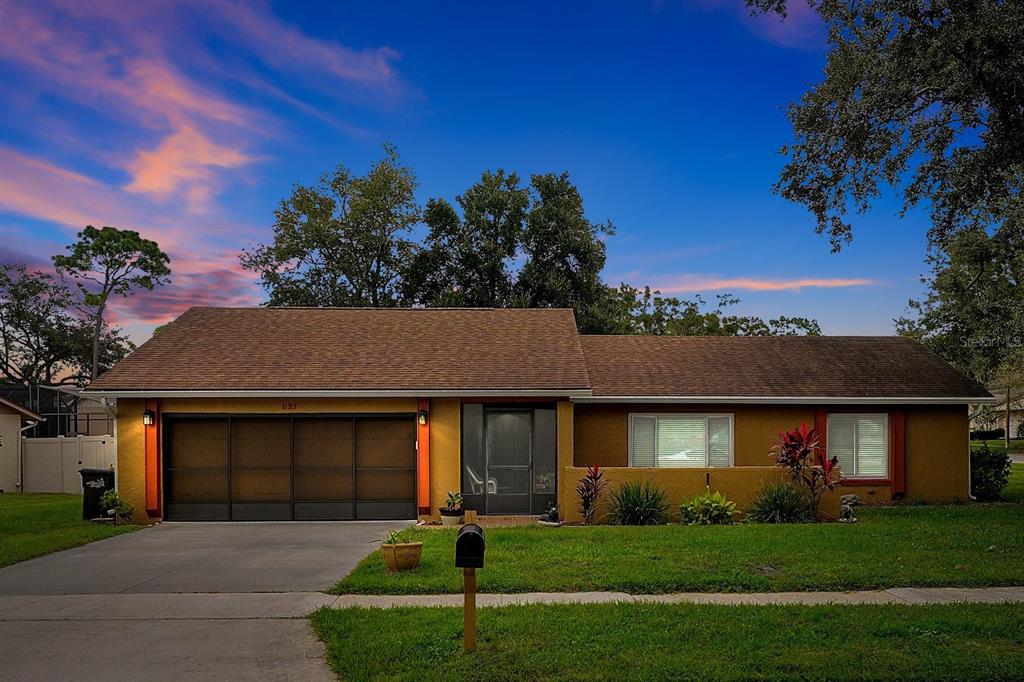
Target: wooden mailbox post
(469, 556)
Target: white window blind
(680, 440)
(719, 441)
(860, 442)
(642, 447)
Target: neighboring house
(278, 413)
(13, 417)
(998, 414)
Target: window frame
(856, 438)
(731, 416)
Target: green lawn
(655, 641)
(34, 524)
(968, 545)
(1014, 490)
(1016, 444)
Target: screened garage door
(240, 468)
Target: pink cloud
(178, 136)
(204, 271)
(211, 288)
(802, 28)
(185, 159)
(287, 48)
(29, 186)
(697, 283)
(178, 123)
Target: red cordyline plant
(589, 490)
(799, 452)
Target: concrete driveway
(141, 606)
(203, 557)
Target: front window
(860, 442)
(680, 440)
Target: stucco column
(564, 418)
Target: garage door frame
(410, 417)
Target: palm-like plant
(799, 452)
(589, 491)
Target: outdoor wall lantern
(423, 417)
(148, 417)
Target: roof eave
(832, 400)
(324, 393)
(23, 411)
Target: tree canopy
(926, 96)
(109, 261)
(343, 241)
(973, 315)
(468, 260)
(45, 338)
(501, 244)
(648, 312)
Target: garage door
(241, 468)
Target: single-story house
(295, 413)
(996, 416)
(13, 419)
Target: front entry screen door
(509, 458)
(509, 452)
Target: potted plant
(399, 554)
(116, 508)
(451, 512)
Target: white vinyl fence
(52, 464)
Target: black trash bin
(95, 482)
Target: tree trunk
(1006, 431)
(97, 331)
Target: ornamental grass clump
(589, 490)
(709, 509)
(638, 504)
(799, 452)
(780, 503)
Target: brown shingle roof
(482, 350)
(357, 349)
(784, 366)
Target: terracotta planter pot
(404, 556)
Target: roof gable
(357, 349)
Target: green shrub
(990, 470)
(781, 503)
(115, 506)
(638, 504)
(988, 434)
(708, 509)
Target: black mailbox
(469, 547)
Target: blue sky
(189, 121)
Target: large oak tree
(343, 241)
(925, 97)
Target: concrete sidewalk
(293, 605)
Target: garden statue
(846, 505)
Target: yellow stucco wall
(936, 446)
(935, 442)
(937, 453)
(287, 405)
(445, 450)
(130, 477)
